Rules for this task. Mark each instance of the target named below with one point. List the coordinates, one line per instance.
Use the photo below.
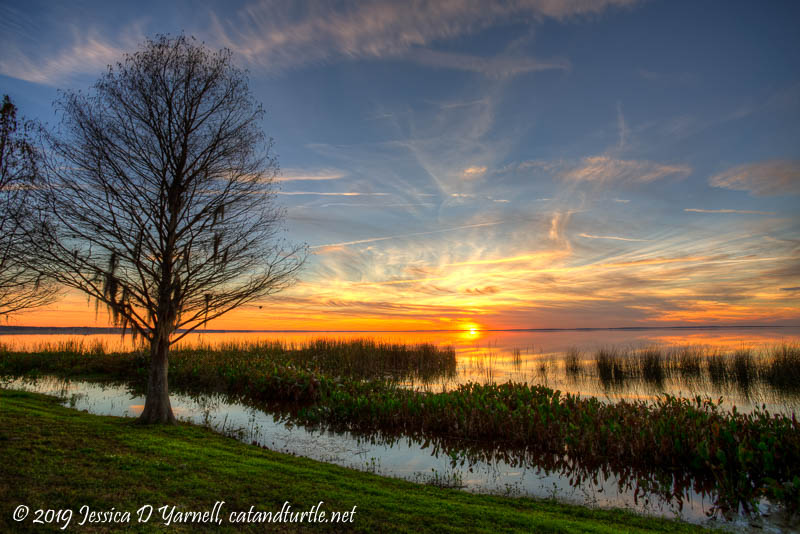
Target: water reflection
(437, 461)
(542, 357)
(469, 340)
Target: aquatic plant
(782, 370)
(572, 362)
(610, 367)
(652, 365)
(687, 361)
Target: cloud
(89, 52)
(797, 288)
(740, 212)
(451, 160)
(590, 236)
(538, 257)
(330, 194)
(413, 234)
(494, 67)
(378, 206)
(474, 172)
(278, 35)
(558, 226)
(767, 178)
(623, 128)
(292, 175)
(602, 169)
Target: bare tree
(158, 198)
(21, 288)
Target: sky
(468, 164)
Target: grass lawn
(53, 457)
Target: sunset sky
(467, 164)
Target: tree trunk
(157, 409)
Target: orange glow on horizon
(550, 288)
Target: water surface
(535, 357)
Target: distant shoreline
(90, 330)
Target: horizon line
(112, 329)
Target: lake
(538, 357)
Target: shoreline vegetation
(669, 446)
(73, 459)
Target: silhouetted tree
(21, 288)
(158, 198)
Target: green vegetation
(735, 457)
(70, 459)
(667, 447)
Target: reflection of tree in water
(674, 487)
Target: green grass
(57, 458)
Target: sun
(470, 330)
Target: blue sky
(515, 164)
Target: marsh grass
(516, 359)
(783, 370)
(688, 362)
(429, 366)
(717, 366)
(776, 367)
(610, 364)
(652, 365)
(744, 368)
(572, 362)
(362, 359)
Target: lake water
(537, 357)
(403, 458)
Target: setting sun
(470, 331)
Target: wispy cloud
(378, 206)
(89, 52)
(333, 194)
(740, 212)
(613, 237)
(766, 178)
(276, 35)
(403, 236)
(536, 257)
(293, 175)
(603, 169)
(491, 67)
(623, 128)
